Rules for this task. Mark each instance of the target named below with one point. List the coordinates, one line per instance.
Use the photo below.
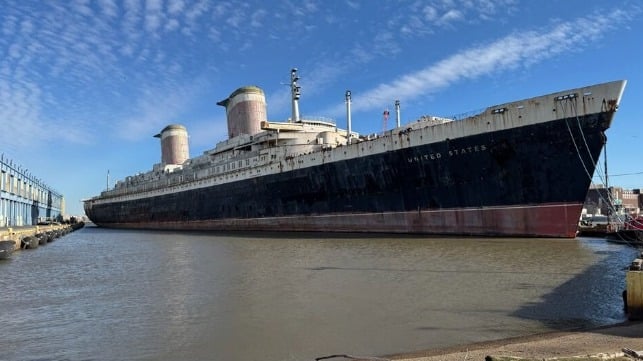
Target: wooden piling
(634, 281)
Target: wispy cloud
(153, 15)
(65, 61)
(516, 50)
(108, 7)
(203, 134)
(17, 99)
(425, 17)
(312, 82)
(92, 64)
(175, 6)
(156, 109)
(413, 21)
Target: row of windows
(219, 173)
(13, 213)
(11, 184)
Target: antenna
(348, 117)
(295, 92)
(385, 120)
(397, 113)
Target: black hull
(507, 171)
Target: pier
(29, 237)
(25, 199)
(634, 296)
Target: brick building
(624, 201)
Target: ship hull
(553, 220)
(527, 181)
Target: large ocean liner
(516, 169)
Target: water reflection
(194, 296)
(575, 302)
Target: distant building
(630, 201)
(640, 197)
(613, 201)
(24, 199)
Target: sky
(86, 84)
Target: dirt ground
(604, 342)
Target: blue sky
(85, 84)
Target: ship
(519, 169)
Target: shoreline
(607, 340)
(16, 234)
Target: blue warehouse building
(24, 199)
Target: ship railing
(467, 114)
(184, 179)
(318, 120)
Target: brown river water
(100, 294)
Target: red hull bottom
(550, 220)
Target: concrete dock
(606, 343)
(19, 233)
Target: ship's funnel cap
(245, 110)
(174, 144)
(171, 127)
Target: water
(100, 294)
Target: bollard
(634, 298)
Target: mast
(397, 113)
(348, 117)
(294, 90)
(610, 206)
(385, 115)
